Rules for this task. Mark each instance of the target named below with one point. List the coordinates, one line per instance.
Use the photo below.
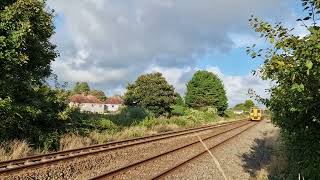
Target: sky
(109, 43)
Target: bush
(106, 124)
(292, 63)
(229, 113)
(178, 110)
(129, 116)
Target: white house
(113, 104)
(92, 104)
(238, 111)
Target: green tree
(81, 87)
(206, 89)
(292, 62)
(151, 91)
(249, 104)
(29, 109)
(179, 100)
(99, 94)
(244, 106)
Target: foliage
(206, 89)
(81, 87)
(179, 100)
(29, 109)
(178, 110)
(99, 94)
(36, 118)
(245, 106)
(151, 91)
(129, 116)
(293, 63)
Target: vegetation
(151, 91)
(206, 89)
(293, 63)
(29, 109)
(245, 106)
(130, 122)
(179, 100)
(99, 94)
(81, 88)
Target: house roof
(81, 98)
(114, 100)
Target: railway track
(163, 164)
(11, 166)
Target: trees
(151, 91)
(179, 100)
(249, 103)
(26, 52)
(81, 87)
(99, 94)
(245, 106)
(293, 63)
(29, 109)
(206, 89)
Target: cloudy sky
(109, 43)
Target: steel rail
(124, 168)
(166, 172)
(46, 159)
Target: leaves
(151, 91)
(293, 63)
(206, 89)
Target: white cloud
(109, 43)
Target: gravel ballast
(239, 158)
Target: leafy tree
(249, 104)
(206, 89)
(81, 87)
(151, 91)
(29, 109)
(245, 106)
(293, 63)
(99, 94)
(179, 100)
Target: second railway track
(7, 167)
(158, 166)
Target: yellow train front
(256, 114)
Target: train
(256, 114)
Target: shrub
(106, 124)
(178, 110)
(129, 116)
(292, 62)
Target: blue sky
(110, 43)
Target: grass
(129, 123)
(14, 150)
